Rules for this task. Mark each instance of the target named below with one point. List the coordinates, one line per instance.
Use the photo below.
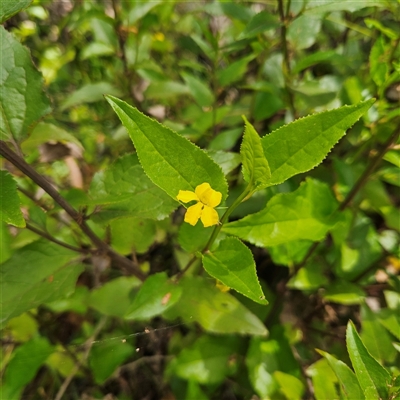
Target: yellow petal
(186, 196)
(209, 217)
(207, 195)
(193, 213)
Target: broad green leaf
(232, 263)
(156, 295)
(379, 61)
(290, 386)
(10, 7)
(10, 211)
(215, 311)
(346, 377)
(309, 60)
(25, 362)
(266, 356)
(45, 132)
(37, 273)
(124, 190)
(255, 166)
(199, 90)
(390, 319)
(305, 213)
(193, 238)
(344, 292)
(375, 337)
(234, 71)
(373, 378)
(165, 90)
(302, 31)
(132, 234)
(207, 360)
(317, 7)
(324, 380)
(171, 161)
(303, 144)
(106, 356)
(310, 277)
(113, 298)
(89, 93)
(227, 160)
(194, 391)
(22, 100)
(260, 23)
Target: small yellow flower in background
(207, 198)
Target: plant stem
(56, 241)
(23, 166)
(286, 59)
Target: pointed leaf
(233, 264)
(255, 166)
(303, 214)
(346, 377)
(124, 190)
(22, 100)
(304, 143)
(37, 273)
(10, 7)
(373, 378)
(9, 201)
(214, 310)
(170, 161)
(156, 295)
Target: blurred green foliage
(77, 323)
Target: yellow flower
(207, 199)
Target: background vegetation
(78, 322)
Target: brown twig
(56, 241)
(23, 166)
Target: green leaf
(261, 22)
(346, 377)
(344, 292)
(132, 234)
(375, 337)
(317, 7)
(303, 214)
(22, 100)
(373, 378)
(124, 190)
(39, 272)
(207, 360)
(89, 93)
(44, 133)
(255, 166)
(232, 263)
(156, 295)
(234, 71)
(193, 238)
(171, 161)
(106, 356)
(302, 31)
(113, 298)
(390, 319)
(8, 8)
(379, 60)
(10, 211)
(303, 144)
(214, 310)
(199, 90)
(25, 362)
(227, 160)
(324, 380)
(290, 386)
